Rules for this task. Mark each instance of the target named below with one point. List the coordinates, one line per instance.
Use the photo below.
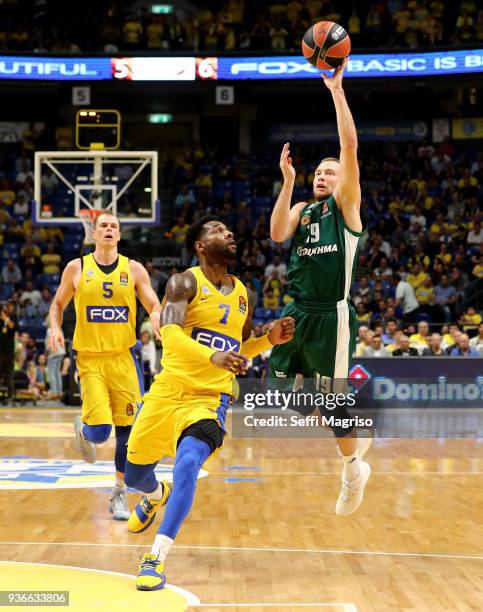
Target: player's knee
(131, 475)
(342, 421)
(190, 462)
(137, 476)
(342, 432)
(192, 453)
(97, 433)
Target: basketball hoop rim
(91, 212)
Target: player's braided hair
(196, 230)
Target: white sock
(351, 466)
(158, 493)
(120, 483)
(161, 546)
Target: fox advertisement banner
(360, 65)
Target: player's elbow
(277, 234)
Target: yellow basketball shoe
(145, 511)
(150, 575)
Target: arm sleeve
(254, 346)
(175, 340)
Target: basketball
(325, 45)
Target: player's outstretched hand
(56, 339)
(286, 167)
(335, 81)
(282, 331)
(231, 361)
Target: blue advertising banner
(363, 65)
(366, 131)
(56, 68)
(234, 68)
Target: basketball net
(88, 218)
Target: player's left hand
(282, 331)
(155, 318)
(334, 82)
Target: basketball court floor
(262, 534)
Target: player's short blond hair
(109, 214)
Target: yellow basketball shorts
(167, 410)
(111, 386)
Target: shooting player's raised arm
(348, 192)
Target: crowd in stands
(30, 266)
(232, 25)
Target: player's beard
(222, 254)
(230, 255)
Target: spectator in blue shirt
(445, 297)
(185, 194)
(464, 349)
(391, 328)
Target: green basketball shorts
(323, 343)
(320, 352)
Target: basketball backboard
(122, 182)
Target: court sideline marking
(320, 551)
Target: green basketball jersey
(324, 253)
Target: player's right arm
(285, 220)
(64, 294)
(180, 289)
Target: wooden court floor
(262, 534)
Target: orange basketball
(325, 45)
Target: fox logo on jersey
(107, 314)
(214, 340)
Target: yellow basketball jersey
(105, 308)
(215, 320)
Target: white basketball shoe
(352, 491)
